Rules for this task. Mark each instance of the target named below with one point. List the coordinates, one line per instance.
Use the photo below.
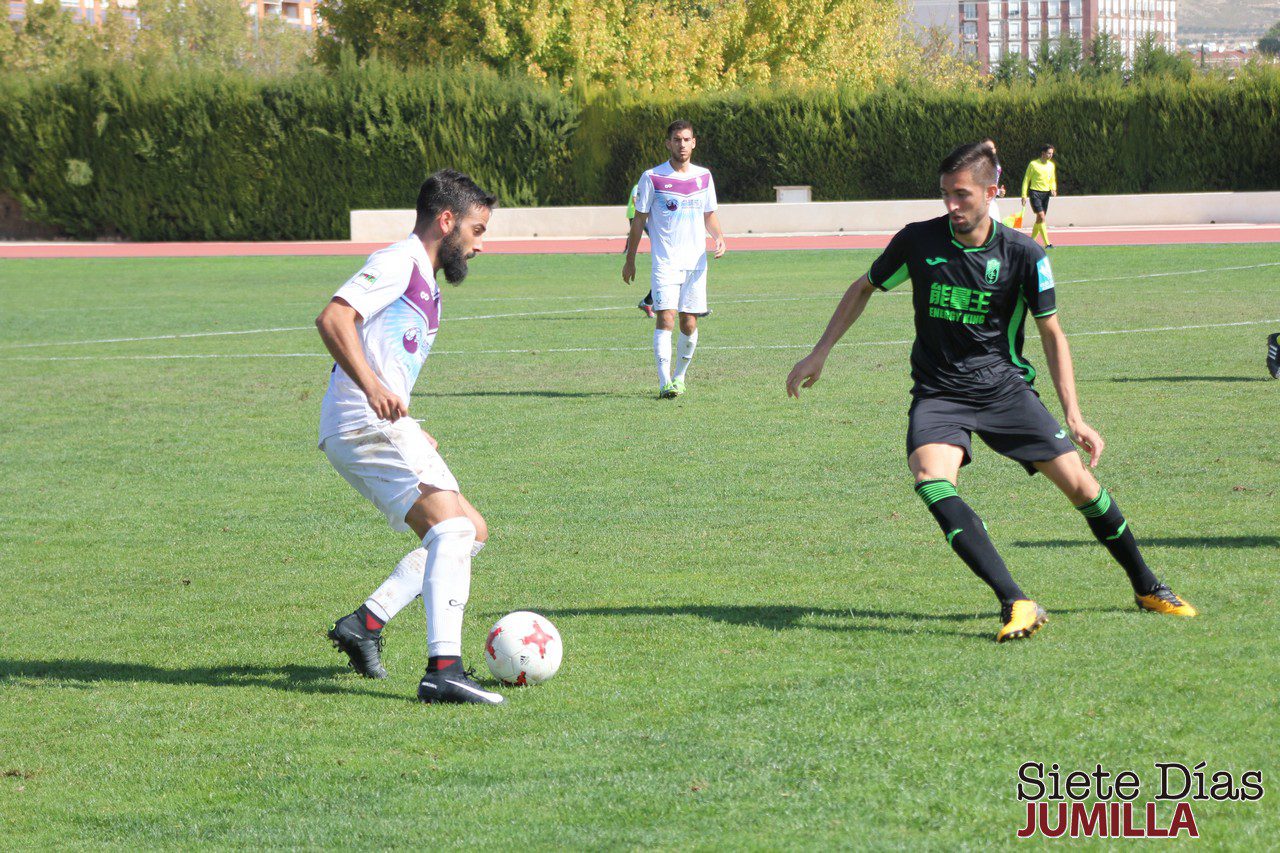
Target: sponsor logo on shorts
(411, 340)
(1062, 433)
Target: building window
(970, 30)
(993, 50)
(1015, 10)
(1015, 31)
(970, 51)
(970, 11)
(1033, 30)
(1055, 28)
(995, 30)
(994, 9)
(1076, 29)
(1074, 8)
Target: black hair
(975, 157)
(449, 189)
(679, 125)
(1048, 146)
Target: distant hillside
(1235, 17)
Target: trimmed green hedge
(213, 156)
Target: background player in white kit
(379, 327)
(678, 202)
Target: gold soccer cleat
(1162, 600)
(1021, 619)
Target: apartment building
(992, 30)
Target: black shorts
(1017, 426)
(1039, 200)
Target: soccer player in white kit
(379, 327)
(678, 202)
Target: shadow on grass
(1190, 379)
(781, 617)
(515, 394)
(1166, 541)
(292, 678)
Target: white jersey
(398, 300)
(676, 203)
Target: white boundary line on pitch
(591, 310)
(530, 351)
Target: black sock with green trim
(968, 537)
(1110, 528)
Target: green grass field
(768, 642)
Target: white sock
(446, 583)
(662, 354)
(685, 345)
(400, 588)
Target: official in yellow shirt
(1039, 184)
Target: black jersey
(970, 304)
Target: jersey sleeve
(890, 269)
(379, 282)
(1026, 180)
(1038, 285)
(644, 194)
(711, 195)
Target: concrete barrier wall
(826, 217)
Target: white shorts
(387, 463)
(680, 290)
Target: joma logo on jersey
(993, 271)
(958, 304)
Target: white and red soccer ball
(523, 648)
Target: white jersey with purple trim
(398, 300)
(676, 203)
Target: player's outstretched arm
(337, 326)
(809, 368)
(1058, 356)
(633, 246)
(716, 232)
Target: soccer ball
(523, 648)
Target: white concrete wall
(827, 217)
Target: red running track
(1136, 236)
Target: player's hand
(1024, 201)
(386, 405)
(720, 247)
(628, 270)
(1089, 439)
(1054, 193)
(805, 373)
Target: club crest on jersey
(993, 270)
(410, 340)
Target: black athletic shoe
(362, 647)
(1273, 355)
(452, 684)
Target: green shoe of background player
(668, 391)
(677, 387)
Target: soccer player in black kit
(973, 284)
